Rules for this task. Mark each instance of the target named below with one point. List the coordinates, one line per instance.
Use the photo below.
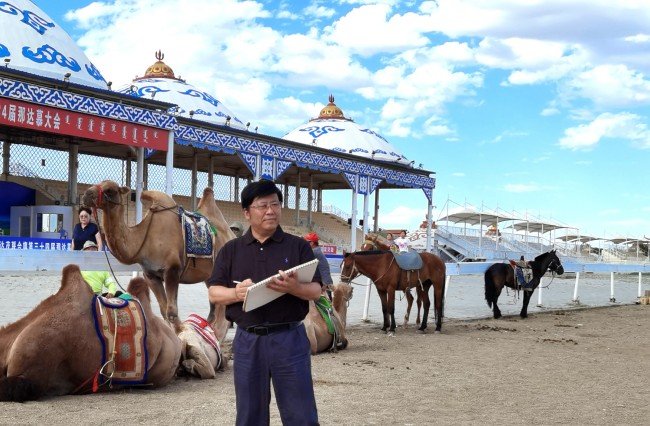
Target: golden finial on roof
(159, 69)
(331, 111)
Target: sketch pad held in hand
(259, 294)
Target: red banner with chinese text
(63, 122)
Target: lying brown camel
(320, 338)
(56, 350)
(156, 243)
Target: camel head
(100, 195)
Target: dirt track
(573, 367)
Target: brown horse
(157, 245)
(55, 349)
(372, 242)
(383, 270)
(502, 274)
(320, 338)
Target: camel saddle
(205, 330)
(122, 330)
(324, 307)
(198, 235)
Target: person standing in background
(323, 264)
(270, 342)
(85, 230)
(402, 243)
(391, 243)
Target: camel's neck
(120, 238)
(340, 305)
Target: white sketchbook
(259, 294)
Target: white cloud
(624, 126)
(368, 30)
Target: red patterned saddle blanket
(122, 331)
(206, 332)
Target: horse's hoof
(391, 334)
(420, 332)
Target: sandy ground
(588, 366)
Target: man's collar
(277, 236)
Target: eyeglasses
(264, 207)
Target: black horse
(502, 274)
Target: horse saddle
(198, 234)
(523, 278)
(409, 261)
(205, 330)
(122, 330)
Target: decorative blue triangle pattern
(429, 193)
(281, 166)
(56, 98)
(374, 184)
(251, 162)
(351, 178)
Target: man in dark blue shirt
(270, 342)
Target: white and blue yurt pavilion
(63, 128)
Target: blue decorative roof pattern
(207, 139)
(33, 43)
(191, 102)
(344, 135)
(59, 99)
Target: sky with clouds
(534, 107)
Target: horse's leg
(156, 286)
(409, 304)
(524, 308)
(495, 307)
(391, 311)
(419, 305)
(384, 307)
(423, 299)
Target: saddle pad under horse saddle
(206, 331)
(409, 261)
(122, 330)
(197, 234)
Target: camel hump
(71, 279)
(139, 289)
(207, 202)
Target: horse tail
(490, 289)
(18, 389)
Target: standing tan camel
(156, 243)
(320, 338)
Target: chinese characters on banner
(18, 243)
(63, 122)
